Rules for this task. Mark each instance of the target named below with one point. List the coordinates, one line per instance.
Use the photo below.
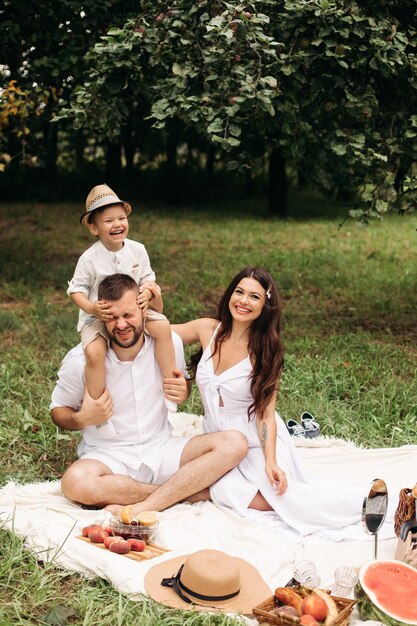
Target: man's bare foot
(114, 508)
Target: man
(127, 454)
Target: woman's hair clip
(268, 293)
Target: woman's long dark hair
(265, 348)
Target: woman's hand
(277, 478)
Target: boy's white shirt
(97, 262)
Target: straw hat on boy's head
(205, 581)
(102, 196)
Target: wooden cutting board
(151, 551)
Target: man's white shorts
(125, 460)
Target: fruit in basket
(387, 592)
(87, 529)
(119, 547)
(308, 620)
(286, 610)
(288, 597)
(315, 606)
(332, 610)
(97, 535)
(137, 545)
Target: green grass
(349, 330)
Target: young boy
(106, 218)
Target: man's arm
(92, 413)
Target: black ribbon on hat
(175, 583)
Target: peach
(108, 530)
(315, 606)
(97, 535)
(87, 529)
(120, 546)
(137, 545)
(308, 620)
(108, 540)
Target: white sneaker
(310, 425)
(295, 429)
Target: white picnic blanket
(50, 523)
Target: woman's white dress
(309, 505)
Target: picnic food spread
(123, 538)
(387, 592)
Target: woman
(237, 372)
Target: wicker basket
(265, 612)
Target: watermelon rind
(369, 607)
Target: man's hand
(176, 388)
(95, 412)
(102, 310)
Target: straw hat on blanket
(207, 580)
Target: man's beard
(136, 336)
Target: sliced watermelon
(387, 591)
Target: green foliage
(43, 52)
(331, 85)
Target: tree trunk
(113, 163)
(129, 149)
(79, 147)
(278, 184)
(172, 191)
(50, 135)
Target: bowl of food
(133, 530)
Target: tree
(42, 59)
(327, 87)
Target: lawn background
(349, 330)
